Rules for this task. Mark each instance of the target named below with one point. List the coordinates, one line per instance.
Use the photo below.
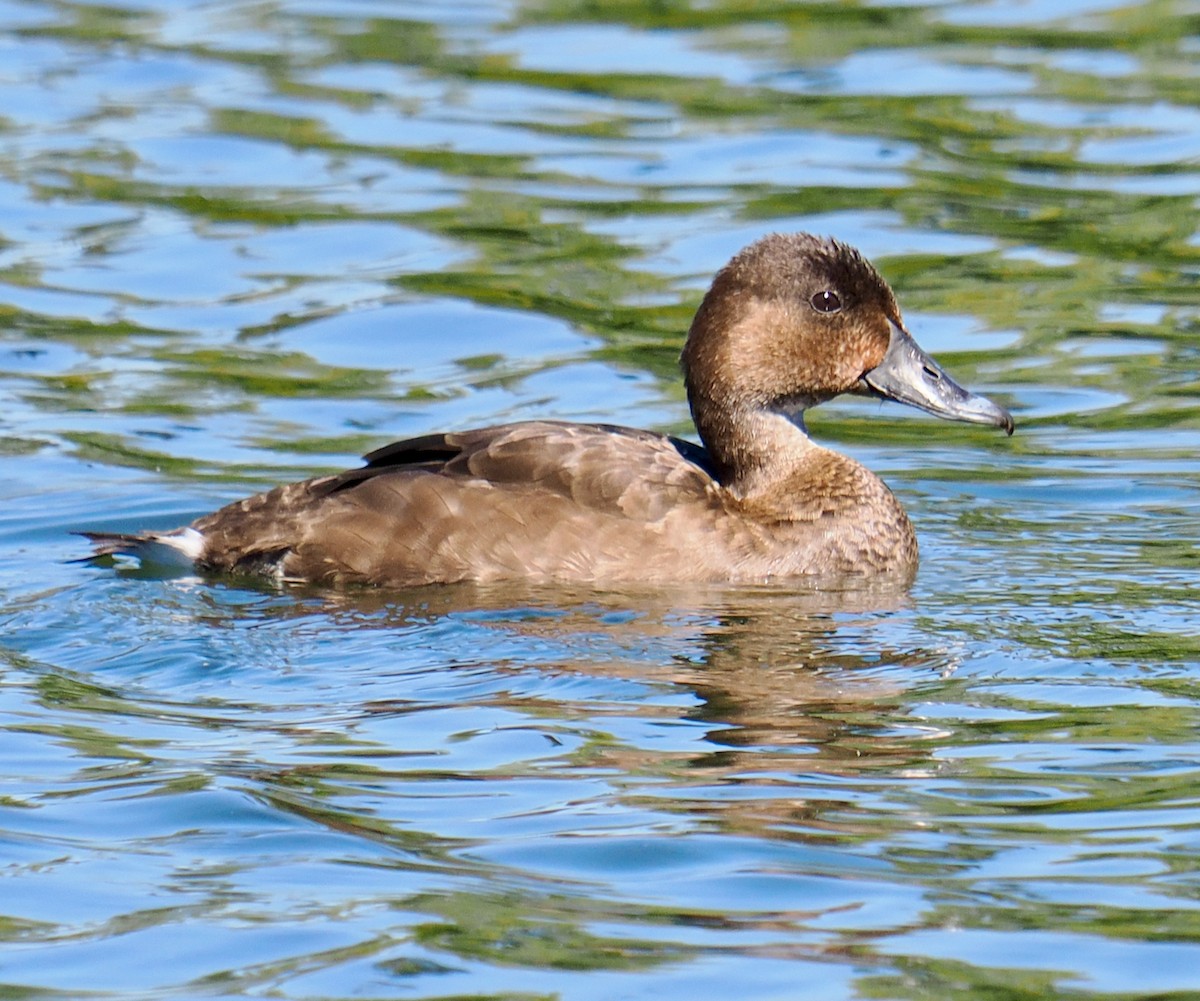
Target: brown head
(795, 320)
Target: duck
(792, 321)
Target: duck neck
(755, 449)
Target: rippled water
(242, 241)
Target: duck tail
(182, 547)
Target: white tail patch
(180, 548)
(186, 541)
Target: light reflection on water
(239, 243)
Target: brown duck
(790, 322)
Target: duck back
(534, 499)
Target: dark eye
(826, 302)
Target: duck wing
(533, 499)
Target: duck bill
(908, 375)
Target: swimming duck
(790, 322)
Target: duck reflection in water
(790, 322)
(765, 670)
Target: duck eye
(826, 302)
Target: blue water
(241, 243)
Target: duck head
(795, 320)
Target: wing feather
(528, 499)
